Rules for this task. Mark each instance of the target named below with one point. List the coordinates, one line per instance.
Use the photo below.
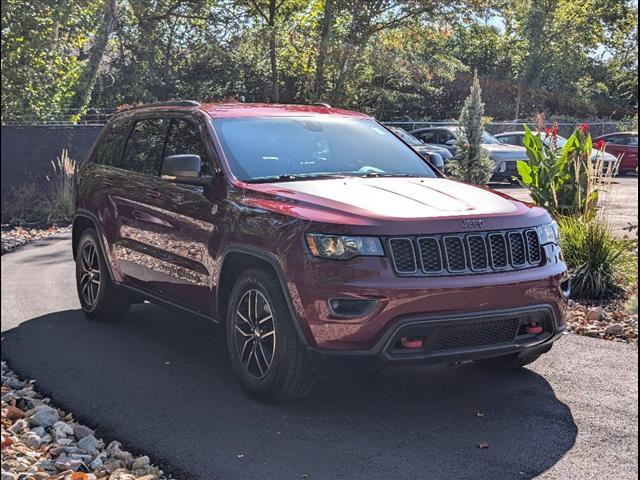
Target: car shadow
(160, 382)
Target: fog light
(351, 307)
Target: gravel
(42, 442)
(14, 237)
(609, 322)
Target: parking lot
(619, 201)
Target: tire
(99, 297)
(512, 361)
(265, 352)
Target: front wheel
(266, 354)
(99, 297)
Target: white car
(517, 138)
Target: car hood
(371, 200)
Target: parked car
(439, 156)
(324, 242)
(517, 138)
(505, 157)
(623, 145)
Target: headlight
(341, 247)
(549, 233)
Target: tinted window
(617, 140)
(263, 148)
(428, 136)
(144, 147)
(511, 140)
(185, 138)
(109, 151)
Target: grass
(599, 262)
(62, 204)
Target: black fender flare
(275, 264)
(85, 214)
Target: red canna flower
(584, 128)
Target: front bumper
(452, 339)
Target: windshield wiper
(377, 174)
(293, 177)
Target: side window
(184, 138)
(428, 136)
(617, 140)
(109, 151)
(446, 136)
(633, 141)
(144, 147)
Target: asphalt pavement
(159, 382)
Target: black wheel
(512, 361)
(99, 297)
(266, 354)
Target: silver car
(505, 157)
(610, 162)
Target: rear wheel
(266, 354)
(512, 361)
(99, 297)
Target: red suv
(623, 145)
(316, 238)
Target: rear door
(103, 183)
(179, 224)
(133, 198)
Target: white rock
(88, 443)
(45, 416)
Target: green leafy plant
(593, 255)
(565, 181)
(471, 162)
(62, 205)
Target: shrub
(593, 256)
(61, 207)
(632, 304)
(564, 181)
(27, 206)
(471, 163)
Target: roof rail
(170, 103)
(321, 104)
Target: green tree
(471, 163)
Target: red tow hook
(411, 342)
(533, 329)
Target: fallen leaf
(483, 445)
(480, 414)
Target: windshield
(488, 138)
(560, 141)
(407, 137)
(292, 148)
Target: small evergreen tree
(471, 163)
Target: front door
(180, 226)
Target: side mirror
(184, 169)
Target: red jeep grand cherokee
(316, 238)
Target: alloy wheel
(255, 334)
(90, 276)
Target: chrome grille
(457, 254)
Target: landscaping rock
(42, 442)
(614, 329)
